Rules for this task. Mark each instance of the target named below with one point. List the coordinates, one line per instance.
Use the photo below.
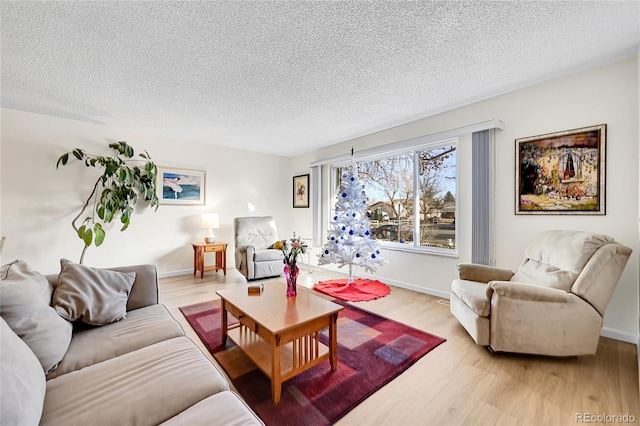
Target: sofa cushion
(147, 386)
(473, 294)
(542, 274)
(22, 383)
(144, 291)
(91, 295)
(223, 408)
(142, 294)
(267, 255)
(142, 327)
(556, 258)
(25, 296)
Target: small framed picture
(562, 173)
(180, 186)
(301, 191)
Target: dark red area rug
(360, 290)
(372, 350)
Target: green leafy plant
(124, 180)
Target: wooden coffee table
(279, 333)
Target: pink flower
(295, 244)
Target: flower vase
(291, 275)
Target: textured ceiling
(290, 77)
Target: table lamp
(210, 221)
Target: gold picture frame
(562, 173)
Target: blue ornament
(344, 195)
(351, 232)
(373, 256)
(352, 178)
(335, 218)
(357, 254)
(366, 233)
(326, 252)
(344, 228)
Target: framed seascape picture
(180, 186)
(301, 191)
(562, 173)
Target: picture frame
(301, 191)
(180, 186)
(562, 173)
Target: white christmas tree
(349, 241)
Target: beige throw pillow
(91, 295)
(25, 298)
(22, 381)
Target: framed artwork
(562, 173)
(180, 186)
(301, 191)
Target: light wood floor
(460, 383)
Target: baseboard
(413, 287)
(619, 335)
(175, 273)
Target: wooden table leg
(223, 321)
(218, 259)
(221, 260)
(201, 262)
(333, 341)
(276, 381)
(195, 260)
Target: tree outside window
(394, 184)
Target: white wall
(39, 202)
(606, 95)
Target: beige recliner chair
(255, 257)
(554, 303)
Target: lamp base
(209, 240)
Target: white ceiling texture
(288, 77)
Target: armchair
(555, 302)
(254, 255)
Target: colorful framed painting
(180, 186)
(562, 173)
(301, 191)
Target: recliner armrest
(242, 247)
(244, 260)
(483, 273)
(522, 291)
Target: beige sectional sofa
(141, 369)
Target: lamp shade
(210, 221)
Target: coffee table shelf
(293, 356)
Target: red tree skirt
(358, 291)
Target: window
(395, 183)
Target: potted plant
(124, 180)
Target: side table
(199, 249)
